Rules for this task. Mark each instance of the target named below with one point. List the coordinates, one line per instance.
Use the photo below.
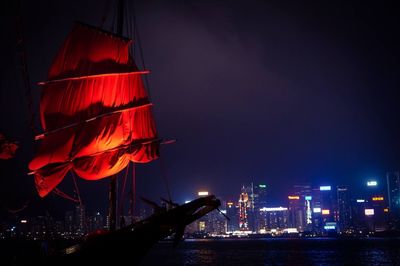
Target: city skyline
(388, 189)
(302, 92)
(309, 210)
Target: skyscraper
(80, 219)
(232, 212)
(246, 208)
(303, 212)
(296, 212)
(327, 208)
(344, 208)
(275, 218)
(243, 209)
(260, 201)
(393, 190)
(260, 196)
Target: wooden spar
(41, 136)
(95, 76)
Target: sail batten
(95, 76)
(94, 110)
(118, 110)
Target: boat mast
(112, 195)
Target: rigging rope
(76, 188)
(14, 211)
(63, 195)
(121, 201)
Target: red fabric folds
(89, 51)
(95, 124)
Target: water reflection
(278, 252)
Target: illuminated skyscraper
(344, 208)
(317, 220)
(308, 209)
(260, 201)
(244, 206)
(232, 211)
(296, 213)
(80, 219)
(301, 219)
(260, 196)
(359, 217)
(327, 208)
(393, 190)
(381, 216)
(274, 218)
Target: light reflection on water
(317, 251)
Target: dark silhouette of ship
(97, 120)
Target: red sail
(94, 110)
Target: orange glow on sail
(94, 123)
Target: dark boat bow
(132, 242)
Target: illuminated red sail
(94, 110)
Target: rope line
(59, 193)
(76, 188)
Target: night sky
(276, 93)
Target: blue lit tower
(232, 211)
(393, 191)
(344, 209)
(260, 201)
(327, 208)
(317, 220)
(260, 196)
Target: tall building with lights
(80, 219)
(296, 213)
(260, 201)
(304, 219)
(247, 214)
(317, 220)
(244, 208)
(393, 192)
(260, 196)
(344, 209)
(232, 211)
(380, 213)
(327, 206)
(359, 216)
(274, 219)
